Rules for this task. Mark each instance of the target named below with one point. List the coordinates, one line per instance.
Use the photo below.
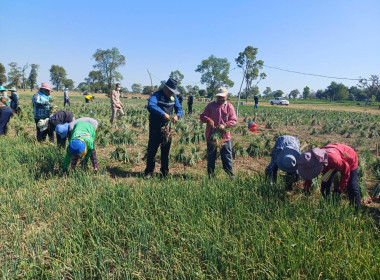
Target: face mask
(119, 88)
(46, 96)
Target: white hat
(43, 124)
(222, 91)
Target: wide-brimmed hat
(43, 124)
(2, 88)
(62, 130)
(172, 85)
(287, 160)
(310, 163)
(222, 91)
(77, 146)
(12, 89)
(46, 86)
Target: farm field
(115, 224)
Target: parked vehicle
(279, 101)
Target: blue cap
(287, 160)
(77, 146)
(62, 129)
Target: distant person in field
(190, 101)
(4, 93)
(14, 99)
(285, 154)
(256, 98)
(160, 106)
(66, 98)
(41, 109)
(116, 105)
(89, 98)
(81, 146)
(219, 115)
(51, 124)
(180, 98)
(329, 160)
(5, 115)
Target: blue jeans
(225, 154)
(255, 107)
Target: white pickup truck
(279, 101)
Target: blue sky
(335, 38)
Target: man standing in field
(116, 105)
(256, 98)
(66, 97)
(5, 115)
(190, 101)
(41, 109)
(161, 105)
(219, 116)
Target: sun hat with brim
(172, 85)
(310, 163)
(43, 124)
(222, 91)
(2, 88)
(46, 86)
(287, 160)
(12, 89)
(62, 130)
(76, 147)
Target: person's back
(5, 115)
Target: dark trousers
(190, 108)
(66, 101)
(41, 135)
(352, 187)
(61, 142)
(155, 140)
(225, 155)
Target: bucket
(253, 127)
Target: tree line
(214, 73)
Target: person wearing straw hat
(41, 110)
(81, 146)
(219, 114)
(66, 98)
(160, 106)
(329, 160)
(284, 155)
(5, 115)
(116, 105)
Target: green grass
(86, 225)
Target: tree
(306, 93)
(321, 94)
(278, 93)
(193, 89)
(108, 61)
(176, 75)
(202, 92)
(267, 92)
(136, 88)
(341, 92)
(68, 83)
(148, 89)
(251, 67)
(3, 77)
(95, 81)
(83, 86)
(57, 76)
(371, 86)
(24, 80)
(359, 94)
(294, 93)
(32, 79)
(14, 75)
(215, 73)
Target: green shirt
(86, 132)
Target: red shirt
(341, 158)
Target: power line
(310, 74)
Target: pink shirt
(220, 114)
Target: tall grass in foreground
(84, 225)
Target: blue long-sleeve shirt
(41, 106)
(159, 104)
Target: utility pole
(237, 108)
(150, 76)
